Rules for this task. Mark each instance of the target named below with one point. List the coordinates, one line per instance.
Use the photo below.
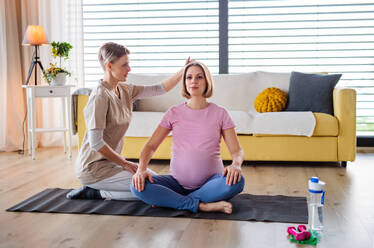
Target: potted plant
(56, 75)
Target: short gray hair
(111, 52)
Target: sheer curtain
(62, 21)
(12, 103)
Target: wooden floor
(348, 213)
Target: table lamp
(34, 36)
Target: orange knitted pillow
(271, 100)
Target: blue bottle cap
(314, 179)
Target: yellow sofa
(334, 137)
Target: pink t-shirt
(196, 142)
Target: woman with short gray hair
(104, 173)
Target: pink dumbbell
(300, 234)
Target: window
(308, 36)
(160, 34)
(272, 35)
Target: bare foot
(221, 206)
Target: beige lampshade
(34, 35)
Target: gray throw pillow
(311, 92)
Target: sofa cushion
(232, 91)
(311, 92)
(143, 124)
(158, 103)
(284, 123)
(326, 126)
(243, 121)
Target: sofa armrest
(81, 124)
(344, 100)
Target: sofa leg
(343, 164)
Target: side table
(35, 91)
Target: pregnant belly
(193, 168)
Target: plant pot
(59, 80)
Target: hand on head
(189, 60)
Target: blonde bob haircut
(208, 78)
(111, 52)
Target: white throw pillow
(232, 91)
(239, 91)
(262, 80)
(157, 103)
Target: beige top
(108, 112)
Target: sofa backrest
(233, 91)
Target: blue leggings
(165, 191)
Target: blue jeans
(165, 191)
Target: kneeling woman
(198, 179)
(99, 166)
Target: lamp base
(35, 64)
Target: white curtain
(62, 21)
(12, 100)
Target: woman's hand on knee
(138, 179)
(233, 174)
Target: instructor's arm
(112, 156)
(170, 82)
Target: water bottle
(316, 202)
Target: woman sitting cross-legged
(198, 179)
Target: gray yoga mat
(246, 207)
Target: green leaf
(61, 49)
